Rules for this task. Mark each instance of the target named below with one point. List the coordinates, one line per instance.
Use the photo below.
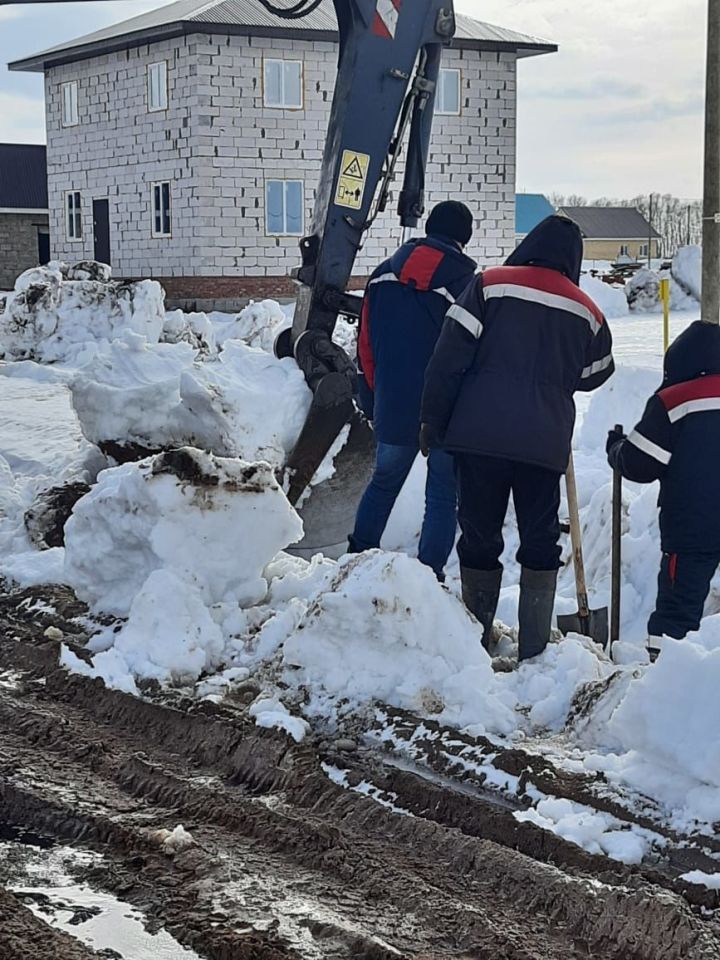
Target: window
(624, 250)
(643, 250)
(284, 203)
(161, 209)
(70, 104)
(283, 84)
(157, 94)
(73, 215)
(447, 98)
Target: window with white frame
(161, 220)
(283, 84)
(624, 250)
(69, 92)
(644, 250)
(157, 91)
(73, 215)
(284, 208)
(447, 97)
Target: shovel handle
(616, 554)
(576, 541)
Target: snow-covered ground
(183, 553)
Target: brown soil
(286, 863)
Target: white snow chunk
(384, 629)
(687, 270)
(173, 841)
(214, 523)
(610, 299)
(709, 880)
(270, 712)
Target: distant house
(24, 239)
(615, 233)
(530, 210)
(186, 143)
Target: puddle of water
(101, 921)
(39, 874)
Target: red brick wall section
(230, 288)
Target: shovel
(616, 556)
(587, 622)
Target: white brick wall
(218, 143)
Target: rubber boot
(654, 646)
(480, 593)
(537, 598)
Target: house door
(43, 238)
(101, 230)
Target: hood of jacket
(455, 265)
(555, 243)
(696, 352)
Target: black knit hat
(450, 219)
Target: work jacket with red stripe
(402, 316)
(514, 349)
(677, 442)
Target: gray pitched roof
(250, 18)
(23, 176)
(611, 223)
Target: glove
(615, 436)
(428, 438)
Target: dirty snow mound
(211, 522)
(384, 629)
(50, 318)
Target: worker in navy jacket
(677, 442)
(402, 316)
(499, 395)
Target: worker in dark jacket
(499, 395)
(402, 316)
(677, 441)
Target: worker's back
(522, 339)
(403, 312)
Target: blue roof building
(530, 209)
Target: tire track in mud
(286, 862)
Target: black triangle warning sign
(354, 170)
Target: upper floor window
(69, 92)
(161, 221)
(284, 207)
(283, 84)
(157, 92)
(73, 215)
(447, 97)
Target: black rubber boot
(537, 598)
(480, 593)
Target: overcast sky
(617, 112)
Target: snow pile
(643, 292)
(610, 299)
(187, 512)
(258, 325)
(245, 404)
(50, 318)
(661, 729)
(687, 270)
(270, 712)
(382, 628)
(41, 446)
(598, 833)
(193, 328)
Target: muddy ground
(285, 862)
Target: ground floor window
(644, 252)
(624, 250)
(161, 221)
(73, 215)
(284, 207)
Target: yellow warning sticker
(352, 179)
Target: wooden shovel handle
(576, 540)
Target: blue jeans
(392, 466)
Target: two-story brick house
(185, 144)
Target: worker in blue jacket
(402, 316)
(677, 442)
(499, 395)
